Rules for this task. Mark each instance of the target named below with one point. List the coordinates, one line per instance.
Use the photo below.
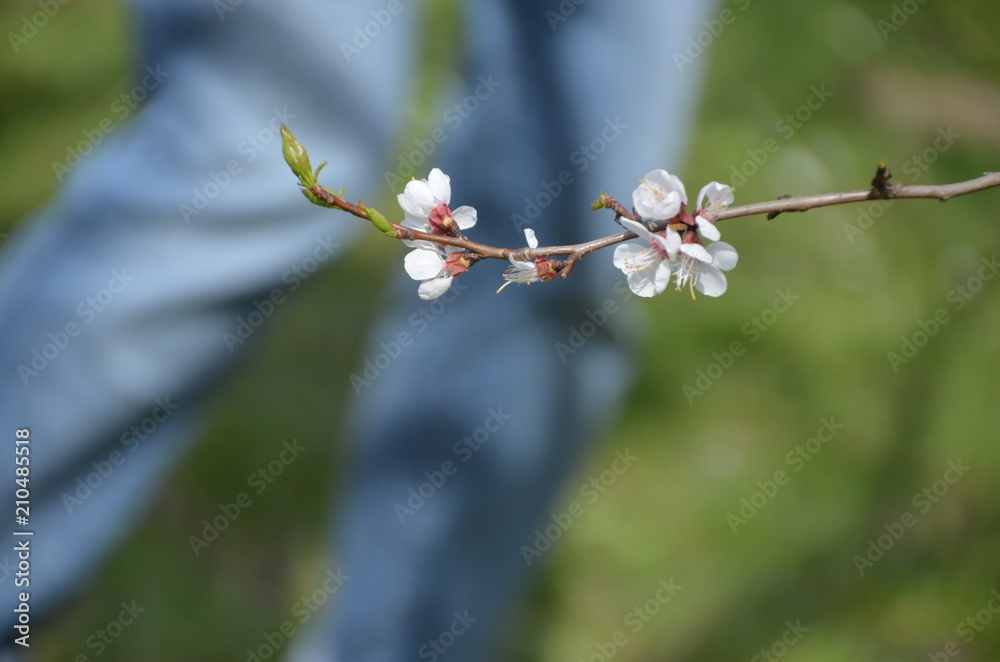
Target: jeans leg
(464, 440)
(121, 302)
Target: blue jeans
(121, 301)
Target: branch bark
(881, 190)
(942, 192)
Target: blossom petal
(707, 229)
(719, 195)
(405, 203)
(710, 281)
(650, 282)
(522, 265)
(419, 243)
(668, 182)
(433, 288)
(659, 195)
(637, 228)
(724, 256)
(698, 252)
(656, 206)
(465, 216)
(662, 276)
(529, 236)
(423, 263)
(671, 243)
(416, 199)
(625, 253)
(439, 185)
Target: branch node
(569, 264)
(774, 214)
(881, 188)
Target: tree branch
(881, 189)
(942, 192)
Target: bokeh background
(864, 283)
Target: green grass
(667, 516)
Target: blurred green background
(825, 357)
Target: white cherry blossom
(430, 264)
(425, 204)
(659, 196)
(522, 271)
(701, 268)
(719, 196)
(647, 269)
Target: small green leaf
(311, 197)
(379, 221)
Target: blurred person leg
(465, 436)
(120, 301)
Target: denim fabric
(186, 214)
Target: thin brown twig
(942, 192)
(885, 191)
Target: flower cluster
(679, 249)
(425, 206)
(676, 239)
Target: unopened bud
(600, 203)
(547, 269)
(297, 158)
(458, 263)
